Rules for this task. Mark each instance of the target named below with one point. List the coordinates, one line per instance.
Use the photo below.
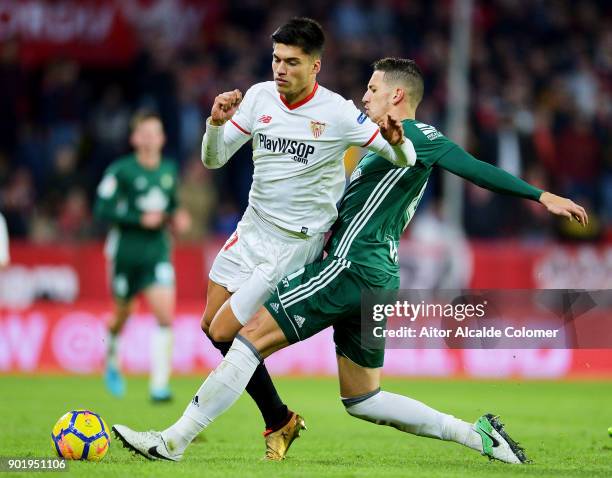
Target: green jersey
(382, 198)
(128, 190)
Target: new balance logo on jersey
(429, 131)
(300, 150)
(264, 119)
(274, 305)
(299, 320)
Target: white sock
(219, 392)
(112, 349)
(161, 357)
(412, 416)
(461, 432)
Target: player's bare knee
(219, 334)
(207, 318)
(163, 315)
(205, 323)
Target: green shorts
(129, 277)
(329, 293)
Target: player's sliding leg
(224, 385)
(161, 301)
(363, 398)
(361, 395)
(221, 326)
(112, 373)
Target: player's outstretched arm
(561, 206)
(485, 175)
(220, 143)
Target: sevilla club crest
(317, 128)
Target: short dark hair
(403, 71)
(141, 116)
(303, 32)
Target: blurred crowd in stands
(540, 107)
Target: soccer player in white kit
(300, 131)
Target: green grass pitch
(563, 426)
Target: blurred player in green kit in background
(137, 195)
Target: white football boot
(150, 444)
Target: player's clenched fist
(225, 106)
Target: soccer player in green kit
(137, 195)
(376, 208)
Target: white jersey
(298, 153)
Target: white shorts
(255, 258)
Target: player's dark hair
(303, 32)
(404, 71)
(144, 115)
